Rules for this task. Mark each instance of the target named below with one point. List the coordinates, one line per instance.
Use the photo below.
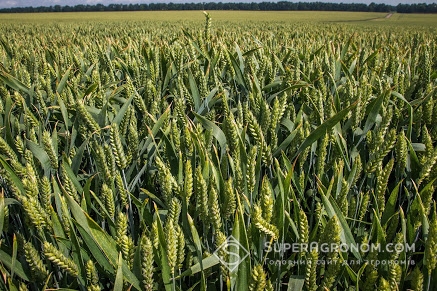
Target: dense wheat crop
(131, 150)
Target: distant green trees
(417, 8)
(263, 6)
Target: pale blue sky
(35, 3)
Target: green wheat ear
(101, 162)
(381, 185)
(35, 212)
(50, 149)
(6, 150)
(122, 192)
(147, 263)
(110, 159)
(395, 276)
(417, 279)
(166, 180)
(430, 258)
(303, 229)
(117, 147)
(201, 195)
(376, 159)
(251, 170)
(34, 261)
(429, 163)
(92, 277)
(321, 155)
(174, 211)
(213, 205)
(121, 228)
(172, 245)
(231, 132)
(188, 180)
(222, 246)
(342, 198)
(86, 117)
(401, 151)
(45, 193)
(230, 202)
(311, 270)
(258, 280)
(262, 225)
(180, 247)
(427, 198)
(331, 236)
(371, 279)
(267, 200)
(133, 138)
(108, 198)
(58, 258)
(384, 285)
(128, 250)
(364, 205)
(19, 144)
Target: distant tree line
(263, 6)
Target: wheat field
(211, 151)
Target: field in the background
(428, 20)
(237, 151)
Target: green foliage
(130, 153)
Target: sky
(35, 3)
